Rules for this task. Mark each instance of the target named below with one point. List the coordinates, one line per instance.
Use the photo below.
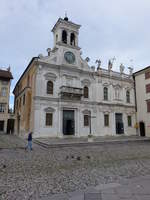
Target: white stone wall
(79, 74)
(42, 100)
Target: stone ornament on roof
(122, 67)
(130, 70)
(98, 61)
(87, 59)
(110, 63)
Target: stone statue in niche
(117, 93)
(122, 68)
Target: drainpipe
(135, 99)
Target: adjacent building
(5, 82)
(142, 90)
(59, 95)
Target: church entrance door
(119, 124)
(68, 122)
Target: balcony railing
(71, 92)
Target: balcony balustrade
(67, 92)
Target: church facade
(60, 95)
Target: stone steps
(94, 143)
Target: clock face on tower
(69, 57)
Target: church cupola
(66, 18)
(66, 33)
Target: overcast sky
(110, 28)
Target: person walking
(29, 145)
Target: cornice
(36, 98)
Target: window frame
(2, 108)
(147, 74)
(148, 105)
(106, 120)
(129, 119)
(86, 92)
(128, 100)
(50, 88)
(4, 92)
(49, 122)
(86, 120)
(147, 86)
(24, 99)
(105, 93)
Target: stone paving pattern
(47, 173)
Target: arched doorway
(142, 129)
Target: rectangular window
(106, 120)
(24, 98)
(148, 106)
(4, 82)
(20, 102)
(148, 88)
(86, 120)
(4, 92)
(49, 119)
(129, 121)
(147, 75)
(2, 108)
(17, 104)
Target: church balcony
(67, 92)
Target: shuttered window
(148, 88)
(147, 75)
(49, 119)
(148, 106)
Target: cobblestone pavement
(45, 173)
(11, 141)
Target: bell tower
(66, 33)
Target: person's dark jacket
(30, 137)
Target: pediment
(50, 76)
(117, 86)
(86, 112)
(49, 109)
(106, 84)
(86, 82)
